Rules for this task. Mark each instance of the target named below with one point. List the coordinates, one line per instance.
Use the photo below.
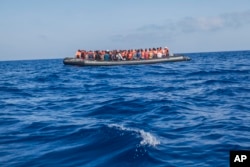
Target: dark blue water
(170, 114)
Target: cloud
(236, 20)
(199, 24)
(171, 28)
(190, 33)
(207, 24)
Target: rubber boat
(83, 62)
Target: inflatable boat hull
(82, 62)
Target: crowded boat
(123, 57)
(119, 55)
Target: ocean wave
(164, 114)
(146, 137)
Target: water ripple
(169, 114)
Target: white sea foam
(147, 138)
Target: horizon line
(174, 53)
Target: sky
(51, 29)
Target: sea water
(168, 114)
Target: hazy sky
(38, 29)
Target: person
(124, 53)
(146, 55)
(154, 53)
(142, 54)
(138, 54)
(121, 55)
(118, 55)
(112, 55)
(130, 54)
(151, 54)
(97, 55)
(102, 54)
(159, 53)
(107, 56)
(78, 54)
(91, 55)
(83, 52)
(166, 51)
(134, 52)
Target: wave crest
(147, 138)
